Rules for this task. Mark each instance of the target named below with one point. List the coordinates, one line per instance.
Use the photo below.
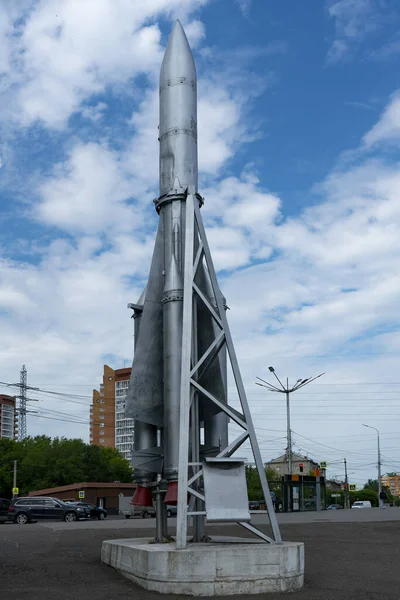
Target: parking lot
(348, 556)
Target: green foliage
(254, 486)
(366, 494)
(44, 462)
(372, 484)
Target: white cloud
(195, 32)
(388, 126)
(94, 113)
(219, 116)
(244, 6)
(67, 51)
(353, 20)
(88, 193)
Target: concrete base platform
(223, 567)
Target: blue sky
(299, 129)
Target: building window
(101, 400)
(102, 410)
(101, 417)
(101, 440)
(122, 384)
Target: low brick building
(281, 464)
(106, 495)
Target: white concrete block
(223, 567)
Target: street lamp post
(289, 432)
(379, 464)
(287, 390)
(346, 483)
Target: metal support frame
(195, 237)
(22, 404)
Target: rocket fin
(144, 400)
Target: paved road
(333, 516)
(344, 561)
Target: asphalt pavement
(355, 560)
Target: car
(4, 506)
(33, 508)
(254, 505)
(362, 504)
(172, 511)
(149, 511)
(96, 512)
(334, 507)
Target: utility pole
(22, 403)
(287, 390)
(15, 478)
(379, 465)
(346, 489)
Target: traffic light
(301, 467)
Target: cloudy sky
(299, 130)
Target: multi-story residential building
(108, 425)
(392, 481)
(8, 417)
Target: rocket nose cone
(178, 59)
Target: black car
(4, 506)
(254, 505)
(96, 512)
(26, 510)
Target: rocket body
(153, 398)
(178, 115)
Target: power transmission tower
(22, 403)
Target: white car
(362, 504)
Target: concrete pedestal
(224, 567)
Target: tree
(44, 463)
(366, 494)
(254, 485)
(372, 484)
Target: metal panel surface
(226, 490)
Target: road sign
(323, 464)
(81, 494)
(335, 495)
(352, 487)
(15, 491)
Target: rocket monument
(178, 394)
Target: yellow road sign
(352, 487)
(15, 491)
(81, 494)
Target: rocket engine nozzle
(142, 497)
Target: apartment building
(392, 481)
(8, 417)
(108, 425)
